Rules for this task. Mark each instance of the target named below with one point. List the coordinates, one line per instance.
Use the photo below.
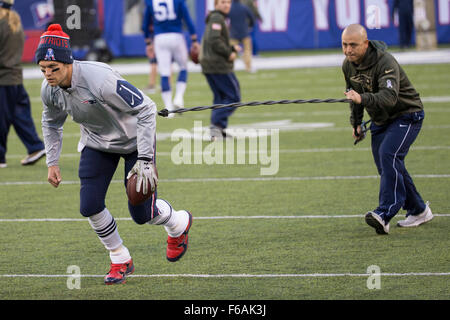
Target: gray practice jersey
(114, 116)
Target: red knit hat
(55, 30)
(54, 46)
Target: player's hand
(354, 96)
(358, 135)
(54, 176)
(233, 56)
(237, 48)
(146, 174)
(196, 46)
(150, 51)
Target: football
(193, 53)
(134, 197)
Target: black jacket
(385, 90)
(216, 48)
(11, 49)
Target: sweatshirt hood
(214, 12)
(374, 52)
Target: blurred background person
(253, 34)
(169, 44)
(15, 107)
(405, 10)
(151, 88)
(150, 53)
(241, 23)
(217, 61)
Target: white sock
(175, 222)
(105, 226)
(120, 255)
(178, 223)
(179, 95)
(167, 99)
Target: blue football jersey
(166, 16)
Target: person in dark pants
(405, 9)
(254, 8)
(15, 107)
(242, 22)
(377, 83)
(217, 61)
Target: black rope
(165, 112)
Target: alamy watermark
(249, 146)
(373, 17)
(74, 278)
(73, 21)
(374, 280)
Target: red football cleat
(118, 272)
(176, 247)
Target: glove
(146, 174)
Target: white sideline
(237, 275)
(288, 62)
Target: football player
(169, 44)
(117, 121)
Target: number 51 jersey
(167, 16)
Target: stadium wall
(287, 24)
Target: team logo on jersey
(364, 80)
(50, 55)
(129, 93)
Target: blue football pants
(96, 171)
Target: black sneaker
(377, 222)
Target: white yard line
(243, 275)
(236, 275)
(311, 150)
(160, 136)
(238, 179)
(342, 216)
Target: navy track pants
(390, 145)
(15, 110)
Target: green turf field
(297, 234)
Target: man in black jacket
(217, 60)
(377, 83)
